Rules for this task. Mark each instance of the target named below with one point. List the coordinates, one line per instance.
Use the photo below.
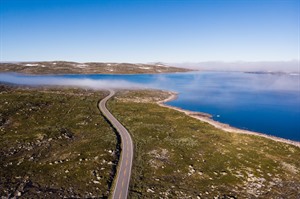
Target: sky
(142, 31)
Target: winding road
(125, 163)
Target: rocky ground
(54, 143)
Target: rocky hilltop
(62, 67)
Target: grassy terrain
(180, 157)
(60, 67)
(54, 143)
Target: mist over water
(68, 80)
(259, 102)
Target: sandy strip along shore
(225, 127)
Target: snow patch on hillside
(31, 64)
(144, 67)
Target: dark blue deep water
(264, 103)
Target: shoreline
(205, 117)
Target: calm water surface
(259, 102)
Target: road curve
(125, 163)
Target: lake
(265, 103)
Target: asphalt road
(124, 166)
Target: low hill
(61, 67)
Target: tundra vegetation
(177, 156)
(54, 143)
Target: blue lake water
(259, 102)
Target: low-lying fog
(192, 81)
(275, 66)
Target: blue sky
(149, 30)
